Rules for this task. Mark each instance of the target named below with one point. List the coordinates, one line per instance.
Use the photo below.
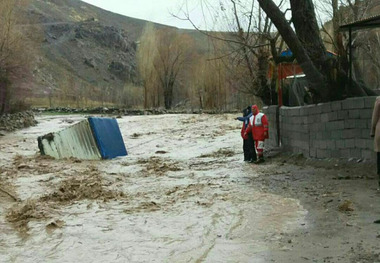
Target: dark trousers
(249, 148)
(378, 165)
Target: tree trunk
(306, 26)
(318, 82)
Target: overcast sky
(152, 10)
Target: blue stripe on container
(108, 137)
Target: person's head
(255, 109)
(246, 112)
(249, 109)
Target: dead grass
(346, 206)
(219, 153)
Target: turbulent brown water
(183, 194)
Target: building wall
(339, 129)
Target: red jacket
(242, 132)
(258, 124)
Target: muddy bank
(126, 112)
(183, 194)
(20, 120)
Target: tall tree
(13, 56)
(146, 54)
(173, 51)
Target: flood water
(183, 194)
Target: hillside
(80, 48)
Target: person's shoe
(260, 160)
(253, 160)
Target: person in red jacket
(258, 125)
(248, 142)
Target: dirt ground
(183, 194)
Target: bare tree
(173, 51)
(146, 54)
(13, 57)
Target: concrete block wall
(338, 129)
(272, 114)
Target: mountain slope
(80, 48)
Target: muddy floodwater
(183, 194)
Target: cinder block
(324, 117)
(349, 143)
(369, 124)
(337, 134)
(349, 124)
(342, 114)
(335, 153)
(331, 144)
(369, 155)
(365, 133)
(295, 111)
(315, 110)
(284, 111)
(305, 145)
(335, 125)
(321, 144)
(355, 153)
(370, 144)
(348, 134)
(333, 116)
(326, 135)
(296, 120)
(303, 111)
(345, 153)
(361, 143)
(340, 144)
(365, 114)
(319, 136)
(325, 107)
(353, 114)
(360, 124)
(336, 105)
(353, 103)
(369, 102)
(322, 153)
(313, 153)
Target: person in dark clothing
(248, 142)
(375, 133)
